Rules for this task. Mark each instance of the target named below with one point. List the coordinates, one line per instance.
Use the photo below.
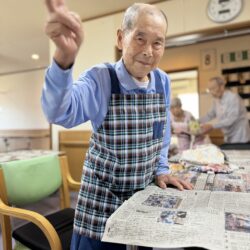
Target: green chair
(27, 181)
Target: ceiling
(22, 30)
(22, 34)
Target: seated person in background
(182, 124)
(230, 112)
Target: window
(184, 84)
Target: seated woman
(185, 127)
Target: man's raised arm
(64, 28)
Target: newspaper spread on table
(216, 215)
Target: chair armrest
(75, 185)
(35, 218)
(72, 184)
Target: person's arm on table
(163, 175)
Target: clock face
(223, 10)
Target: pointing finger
(52, 5)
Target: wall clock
(222, 11)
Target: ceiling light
(35, 56)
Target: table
(213, 216)
(24, 155)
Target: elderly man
(128, 105)
(230, 112)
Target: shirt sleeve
(231, 113)
(163, 167)
(211, 114)
(69, 103)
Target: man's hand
(163, 180)
(206, 128)
(65, 29)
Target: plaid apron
(122, 156)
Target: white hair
(176, 102)
(218, 80)
(132, 13)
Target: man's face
(143, 46)
(215, 90)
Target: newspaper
(170, 218)
(215, 215)
(240, 158)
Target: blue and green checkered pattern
(121, 160)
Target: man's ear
(119, 39)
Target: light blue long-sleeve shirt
(69, 103)
(232, 117)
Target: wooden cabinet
(75, 145)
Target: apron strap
(158, 84)
(115, 88)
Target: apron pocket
(158, 129)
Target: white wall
(190, 16)
(20, 106)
